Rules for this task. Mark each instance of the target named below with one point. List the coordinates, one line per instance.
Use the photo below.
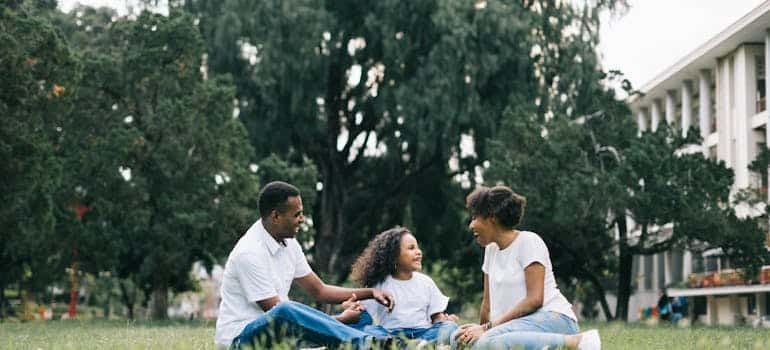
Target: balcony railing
(726, 278)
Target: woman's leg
(535, 331)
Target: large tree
(38, 72)
(380, 94)
(155, 155)
(677, 198)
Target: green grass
(99, 334)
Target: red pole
(73, 286)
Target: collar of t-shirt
(272, 245)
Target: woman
(522, 306)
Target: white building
(721, 87)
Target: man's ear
(274, 214)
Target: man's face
(288, 220)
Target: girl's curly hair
(379, 258)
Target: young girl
(391, 263)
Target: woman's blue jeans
(292, 319)
(542, 329)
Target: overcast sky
(649, 38)
(654, 34)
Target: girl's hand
(469, 333)
(445, 317)
(352, 303)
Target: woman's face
(410, 258)
(482, 229)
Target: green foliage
(431, 72)
(155, 153)
(38, 72)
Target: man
(259, 273)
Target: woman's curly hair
(379, 258)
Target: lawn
(75, 334)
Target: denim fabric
(292, 319)
(439, 332)
(542, 329)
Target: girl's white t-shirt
(505, 271)
(416, 300)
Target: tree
(156, 154)
(678, 198)
(38, 72)
(380, 95)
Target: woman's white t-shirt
(505, 271)
(416, 300)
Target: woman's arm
(534, 278)
(484, 311)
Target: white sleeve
(485, 267)
(533, 250)
(254, 276)
(438, 301)
(301, 267)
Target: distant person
(391, 262)
(259, 273)
(664, 306)
(521, 305)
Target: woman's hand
(469, 333)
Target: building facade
(722, 88)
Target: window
(761, 93)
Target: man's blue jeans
(292, 319)
(439, 332)
(542, 329)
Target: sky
(655, 34)
(651, 36)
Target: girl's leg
(439, 332)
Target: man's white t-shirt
(505, 271)
(416, 300)
(258, 268)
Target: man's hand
(384, 299)
(469, 333)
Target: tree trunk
(128, 302)
(602, 296)
(2, 301)
(160, 303)
(625, 266)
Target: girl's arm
(534, 277)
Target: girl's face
(482, 229)
(410, 257)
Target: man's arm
(325, 293)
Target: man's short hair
(274, 196)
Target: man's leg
(292, 319)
